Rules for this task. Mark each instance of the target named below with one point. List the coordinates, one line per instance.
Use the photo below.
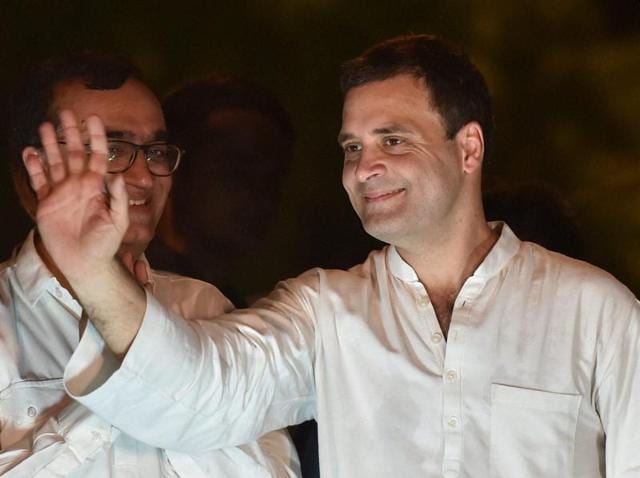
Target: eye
(118, 151)
(157, 153)
(393, 141)
(351, 148)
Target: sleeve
(272, 455)
(280, 455)
(215, 383)
(617, 396)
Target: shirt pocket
(532, 432)
(25, 405)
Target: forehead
(131, 109)
(402, 99)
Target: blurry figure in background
(239, 141)
(538, 213)
(239, 144)
(43, 432)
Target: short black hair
(31, 103)
(457, 89)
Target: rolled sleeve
(215, 383)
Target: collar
(502, 251)
(32, 274)
(35, 278)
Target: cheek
(161, 192)
(348, 176)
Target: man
(456, 351)
(43, 432)
(239, 140)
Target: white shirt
(542, 363)
(44, 433)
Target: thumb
(127, 261)
(141, 274)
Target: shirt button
(423, 302)
(452, 376)
(95, 435)
(453, 421)
(32, 412)
(436, 337)
(58, 292)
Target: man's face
(402, 175)
(130, 113)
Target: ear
(471, 142)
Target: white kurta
(45, 434)
(541, 365)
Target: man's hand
(82, 216)
(82, 211)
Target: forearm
(114, 303)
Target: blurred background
(565, 78)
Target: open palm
(82, 211)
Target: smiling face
(404, 178)
(131, 113)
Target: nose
(370, 164)
(138, 174)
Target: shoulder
(573, 279)
(317, 282)
(189, 297)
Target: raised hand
(82, 211)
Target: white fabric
(541, 365)
(43, 433)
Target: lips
(375, 196)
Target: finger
(98, 161)
(54, 165)
(37, 174)
(141, 274)
(76, 155)
(127, 261)
(119, 201)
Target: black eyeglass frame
(144, 148)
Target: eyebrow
(342, 137)
(394, 128)
(391, 129)
(159, 135)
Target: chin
(384, 228)
(136, 240)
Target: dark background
(565, 77)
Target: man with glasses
(42, 431)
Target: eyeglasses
(162, 159)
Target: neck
(446, 260)
(444, 265)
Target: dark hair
(31, 104)
(187, 107)
(457, 89)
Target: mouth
(137, 202)
(381, 196)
